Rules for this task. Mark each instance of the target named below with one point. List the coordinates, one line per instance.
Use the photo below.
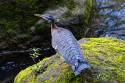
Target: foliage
(34, 55)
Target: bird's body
(67, 47)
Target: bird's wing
(66, 45)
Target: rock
(105, 55)
(72, 14)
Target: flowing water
(108, 19)
(11, 66)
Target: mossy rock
(106, 57)
(17, 20)
(73, 14)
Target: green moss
(81, 32)
(18, 15)
(70, 5)
(24, 73)
(45, 72)
(56, 64)
(33, 79)
(57, 55)
(49, 81)
(83, 19)
(88, 12)
(67, 14)
(45, 59)
(50, 65)
(106, 55)
(105, 59)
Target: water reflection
(108, 19)
(11, 66)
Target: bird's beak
(41, 16)
(38, 15)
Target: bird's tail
(81, 66)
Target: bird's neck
(54, 28)
(53, 25)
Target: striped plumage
(67, 47)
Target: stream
(107, 20)
(18, 61)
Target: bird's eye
(49, 21)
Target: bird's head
(47, 17)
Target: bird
(66, 45)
